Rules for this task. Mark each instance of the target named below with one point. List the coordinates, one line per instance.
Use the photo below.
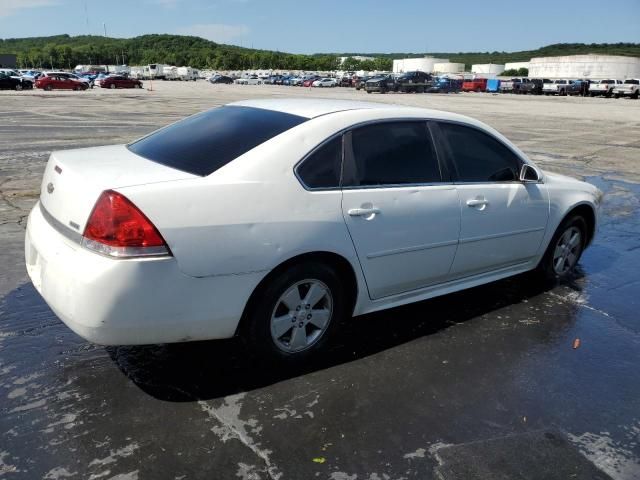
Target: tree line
(64, 51)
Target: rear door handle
(477, 202)
(363, 212)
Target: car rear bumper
(130, 302)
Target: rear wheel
(112, 86)
(47, 88)
(18, 86)
(564, 250)
(296, 312)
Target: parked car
(560, 87)
(296, 81)
(221, 79)
(475, 85)
(413, 82)
(72, 76)
(250, 80)
(532, 86)
(54, 81)
(26, 82)
(308, 82)
(511, 86)
(381, 84)
(629, 88)
(116, 81)
(603, 87)
(9, 82)
(359, 82)
(445, 85)
(325, 82)
(119, 243)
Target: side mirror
(529, 174)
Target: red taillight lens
(116, 227)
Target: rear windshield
(207, 141)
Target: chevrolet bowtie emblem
(50, 187)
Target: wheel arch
(343, 266)
(586, 211)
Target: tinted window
(478, 157)
(322, 168)
(392, 153)
(205, 142)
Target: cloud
(218, 32)
(9, 7)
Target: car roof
(308, 107)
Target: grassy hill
(64, 51)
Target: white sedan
(325, 82)
(279, 219)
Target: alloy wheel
(301, 315)
(567, 251)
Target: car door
(503, 220)
(403, 218)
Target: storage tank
(516, 65)
(585, 66)
(487, 70)
(424, 64)
(448, 67)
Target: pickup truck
(414, 82)
(475, 85)
(629, 88)
(561, 87)
(382, 84)
(511, 86)
(604, 87)
(532, 86)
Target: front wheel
(564, 250)
(18, 86)
(112, 86)
(296, 312)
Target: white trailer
(186, 73)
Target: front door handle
(477, 202)
(363, 212)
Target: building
(487, 70)
(360, 58)
(8, 60)
(424, 64)
(516, 65)
(448, 67)
(585, 66)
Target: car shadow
(213, 369)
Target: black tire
(47, 88)
(112, 86)
(546, 266)
(257, 325)
(635, 95)
(18, 87)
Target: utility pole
(104, 25)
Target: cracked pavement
(432, 390)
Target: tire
(635, 95)
(112, 86)
(551, 267)
(77, 88)
(286, 340)
(18, 87)
(47, 88)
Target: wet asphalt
(509, 380)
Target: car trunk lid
(74, 179)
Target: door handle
(363, 212)
(477, 202)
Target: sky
(304, 26)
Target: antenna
(86, 15)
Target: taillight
(117, 228)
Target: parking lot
(502, 380)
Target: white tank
(425, 64)
(516, 65)
(448, 67)
(585, 66)
(487, 70)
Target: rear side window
(392, 153)
(207, 141)
(478, 157)
(322, 168)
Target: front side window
(478, 157)
(392, 153)
(322, 168)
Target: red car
(475, 85)
(120, 82)
(51, 81)
(309, 81)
